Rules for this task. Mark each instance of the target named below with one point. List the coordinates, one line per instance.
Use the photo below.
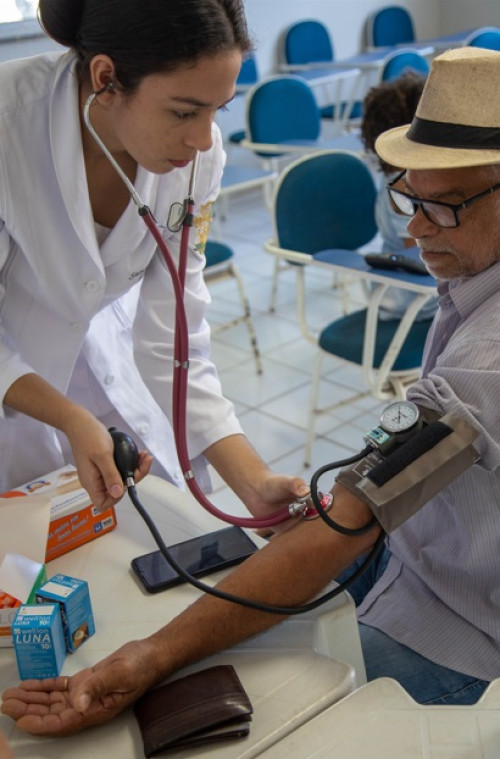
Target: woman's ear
(102, 74)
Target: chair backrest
(401, 61)
(248, 72)
(390, 25)
(307, 42)
(487, 37)
(282, 108)
(325, 200)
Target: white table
(289, 673)
(381, 721)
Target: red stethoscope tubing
(180, 377)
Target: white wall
(467, 14)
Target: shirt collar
(467, 293)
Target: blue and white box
(73, 598)
(38, 639)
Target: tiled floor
(272, 407)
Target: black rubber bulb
(126, 453)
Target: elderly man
(431, 618)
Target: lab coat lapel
(67, 151)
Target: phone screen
(198, 556)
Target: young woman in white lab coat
(86, 301)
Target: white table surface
(381, 721)
(287, 672)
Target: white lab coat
(55, 281)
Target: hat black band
(443, 135)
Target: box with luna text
(74, 520)
(38, 641)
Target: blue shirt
(440, 594)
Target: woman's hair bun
(61, 19)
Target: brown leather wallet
(204, 707)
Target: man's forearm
(289, 571)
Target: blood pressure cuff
(396, 486)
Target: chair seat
(344, 338)
(237, 137)
(217, 253)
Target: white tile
(324, 452)
(294, 407)
(243, 384)
(271, 437)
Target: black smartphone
(199, 556)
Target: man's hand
(60, 706)
(5, 752)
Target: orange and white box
(8, 610)
(74, 520)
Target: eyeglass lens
(441, 215)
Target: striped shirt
(440, 594)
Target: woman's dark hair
(145, 37)
(390, 104)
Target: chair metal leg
(247, 318)
(274, 285)
(301, 306)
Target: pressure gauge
(400, 417)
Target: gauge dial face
(399, 416)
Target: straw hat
(457, 122)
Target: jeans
(425, 681)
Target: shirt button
(92, 286)
(109, 379)
(144, 429)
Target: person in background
(87, 305)
(386, 106)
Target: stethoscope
(180, 218)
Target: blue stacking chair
(487, 37)
(400, 61)
(308, 43)
(390, 25)
(321, 201)
(283, 117)
(325, 202)
(220, 265)
(389, 352)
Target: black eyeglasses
(439, 213)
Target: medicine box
(33, 576)
(73, 598)
(73, 518)
(38, 641)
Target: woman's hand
(92, 448)
(62, 705)
(90, 441)
(261, 490)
